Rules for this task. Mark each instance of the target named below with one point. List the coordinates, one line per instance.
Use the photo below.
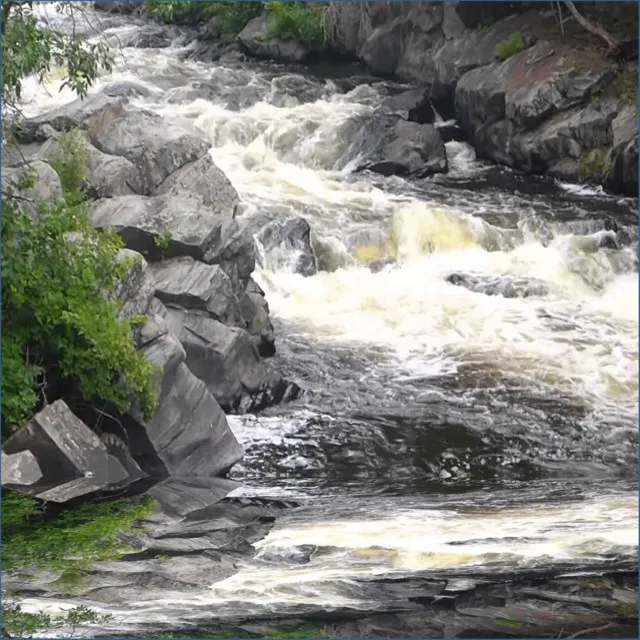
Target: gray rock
(46, 188)
(187, 283)
(119, 451)
(625, 125)
(66, 117)
(193, 229)
(149, 37)
(622, 172)
(413, 105)
(72, 459)
(390, 145)
(506, 286)
(135, 292)
(124, 7)
(20, 468)
(188, 435)
(287, 244)
(156, 147)
(225, 358)
(204, 180)
(125, 89)
(252, 40)
(108, 176)
(255, 311)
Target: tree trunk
(596, 29)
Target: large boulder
(189, 284)
(157, 148)
(188, 435)
(135, 292)
(622, 172)
(46, 183)
(286, 245)
(73, 461)
(388, 144)
(255, 311)
(253, 41)
(20, 468)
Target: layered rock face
(560, 108)
(207, 327)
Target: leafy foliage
(70, 163)
(297, 21)
(509, 47)
(163, 239)
(57, 276)
(70, 541)
(29, 49)
(593, 164)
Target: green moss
(300, 21)
(596, 101)
(511, 624)
(593, 163)
(626, 86)
(163, 239)
(509, 47)
(68, 542)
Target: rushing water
(442, 429)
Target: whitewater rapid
(402, 345)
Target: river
(442, 430)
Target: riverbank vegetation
(61, 331)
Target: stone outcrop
(189, 266)
(549, 109)
(252, 40)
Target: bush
(299, 21)
(69, 542)
(593, 164)
(509, 47)
(60, 324)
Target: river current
(441, 429)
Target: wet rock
(126, 7)
(413, 105)
(135, 291)
(506, 286)
(66, 117)
(149, 37)
(154, 146)
(119, 451)
(125, 89)
(287, 244)
(20, 468)
(253, 41)
(188, 284)
(622, 173)
(188, 435)
(46, 187)
(204, 180)
(191, 229)
(389, 145)
(451, 132)
(72, 459)
(255, 312)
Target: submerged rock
(506, 286)
(287, 245)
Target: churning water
(443, 429)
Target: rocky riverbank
(207, 331)
(526, 91)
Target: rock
(413, 105)
(622, 173)
(66, 117)
(135, 292)
(255, 311)
(149, 37)
(287, 245)
(188, 435)
(72, 459)
(20, 468)
(119, 451)
(505, 286)
(108, 176)
(204, 180)
(450, 132)
(126, 89)
(225, 358)
(156, 147)
(252, 39)
(189, 284)
(46, 188)
(390, 145)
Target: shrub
(593, 164)
(59, 322)
(70, 163)
(69, 542)
(509, 47)
(297, 21)
(626, 86)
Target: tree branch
(595, 29)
